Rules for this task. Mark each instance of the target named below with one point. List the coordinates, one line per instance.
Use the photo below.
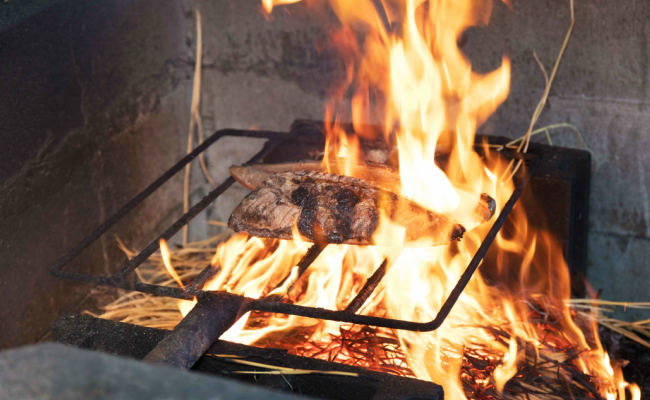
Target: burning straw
(546, 370)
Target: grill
(217, 311)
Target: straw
(276, 370)
(592, 309)
(523, 146)
(195, 118)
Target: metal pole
(213, 315)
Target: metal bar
(310, 256)
(368, 288)
(213, 315)
(383, 16)
(482, 250)
(306, 260)
(55, 270)
(156, 290)
(135, 262)
(340, 316)
(184, 219)
(194, 289)
(201, 279)
(210, 318)
(190, 292)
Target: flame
(411, 77)
(184, 306)
(269, 4)
(504, 372)
(164, 251)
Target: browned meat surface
(335, 209)
(474, 208)
(252, 176)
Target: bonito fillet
(473, 208)
(380, 175)
(330, 208)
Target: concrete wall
(601, 88)
(96, 98)
(93, 98)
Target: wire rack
(125, 279)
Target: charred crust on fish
(337, 209)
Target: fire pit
(397, 256)
(215, 313)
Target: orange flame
(164, 251)
(429, 103)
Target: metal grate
(217, 311)
(125, 279)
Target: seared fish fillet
(332, 208)
(252, 176)
(473, 209)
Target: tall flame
(430, 103)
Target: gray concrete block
(56, 372)
(619, 266)
(601, 87)
(118, 78)
(33, 239)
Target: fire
(164, 251)
(430, 103)
(184, 305)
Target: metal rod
(156, 290)
(202, 278)
(213, 315)
(210, 318)
(181, 222)
(115, 280)
(135, 262)
(310, 256)
(368, 288)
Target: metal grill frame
(124, 278)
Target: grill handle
(213, 315)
